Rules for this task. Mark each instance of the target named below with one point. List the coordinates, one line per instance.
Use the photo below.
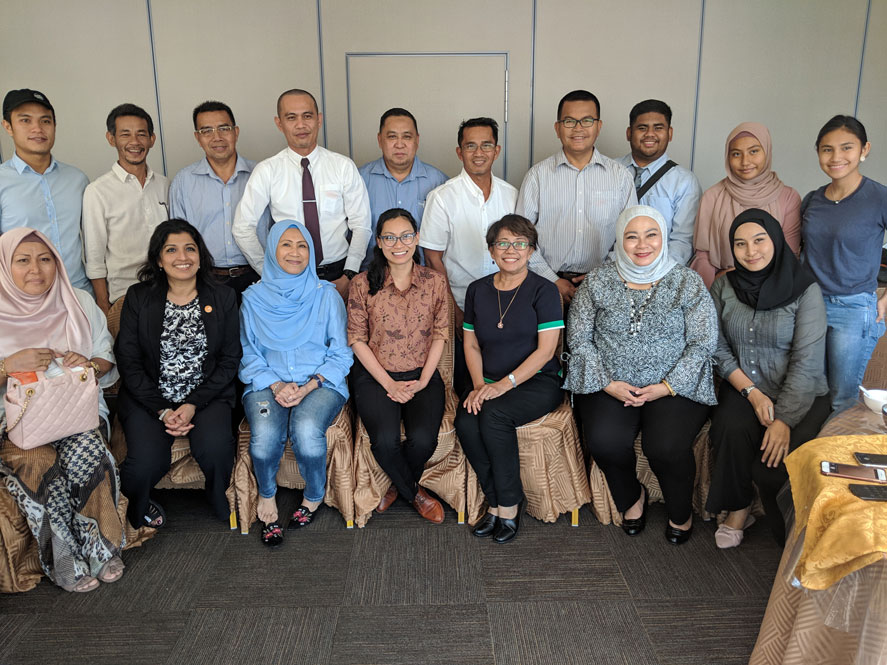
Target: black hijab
(779, 283)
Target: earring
(862, 159)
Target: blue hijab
(283, 309)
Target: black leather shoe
(635, 526)
(507, 528)
(486, 526)
(677, 536)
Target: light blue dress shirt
(327, 353)
(49, 202)
(199, 196)
(676, 196)
(386, 192)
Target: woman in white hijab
(641, 332)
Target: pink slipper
(727, 537)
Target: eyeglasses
(391, 241)
(224, 130)
(519, 245)
(486, 146)
(587, 121)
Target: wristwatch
(350, 274)
(747, 390)
(315, 377)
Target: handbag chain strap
(28, 394)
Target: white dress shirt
(676, 195)
(574, 211)
(119, 216)
(455, 222)
(342, 204)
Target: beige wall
(789, 64)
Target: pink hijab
(732, 195)
(53, 319)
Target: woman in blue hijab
(295, 361)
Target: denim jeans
(305, 424)
(852, 335)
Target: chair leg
(574, 517)
(461, 517)
(232, 520)
(349, 524)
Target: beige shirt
(119, 216)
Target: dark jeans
(403, 462)
(489, 438)
(668, 426)
(736, 436)
(148, 455)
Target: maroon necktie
(309, 206)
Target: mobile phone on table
(870, 459)
(867, 473)
(869, 492)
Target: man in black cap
(36, 190)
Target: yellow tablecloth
(844, 533)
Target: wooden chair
(446, 472)
(339, 468)
(184, 472)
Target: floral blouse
(182, 350)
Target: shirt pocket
(331, 203)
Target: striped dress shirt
(574, 211)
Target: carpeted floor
(403, 591)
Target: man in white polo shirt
(458, 214)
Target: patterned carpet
(403, 591)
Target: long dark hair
(151, 272)
(379, 264)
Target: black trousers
(148, 455)
(736, 436)
(489, 438)
(239, 283)
(403, 462)
(668, 426)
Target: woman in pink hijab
(750, 183)
(67, 489)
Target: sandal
(272, 535)
(111, 571)
(302, 517)
(83, 585)
(155, 517)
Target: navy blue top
(843, 239)
(536, 307)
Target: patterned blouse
(182, 350)
(676, 334)
(399, 326)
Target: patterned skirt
(68, 490)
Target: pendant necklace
(635, 313)
(502, 314)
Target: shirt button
(752, 362)
(753, 372)
(751, 329)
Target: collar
(473, 189)
(296, 158)
(417, 170)
(203, 167)
(561, 159)
(652, 167)
(124, 176)
(21, 165)
(414, 279)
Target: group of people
(302, 280)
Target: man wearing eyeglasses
(398, 179)
(574, 197)
(207, 192)
(457, 216)
(308, 183)
(122, 208)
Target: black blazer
(137, 347)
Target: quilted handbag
(52, 408)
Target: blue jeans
(853, 332)
(305, 424)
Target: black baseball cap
(15, 98)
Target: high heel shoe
(507, 528)
(633, 527)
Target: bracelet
(513, 380)
(671, 391)
(3, 366)
(274, 392)
(95, 367)
(163, 414)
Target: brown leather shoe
(428, 507)
(387, 500)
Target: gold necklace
(502, 314)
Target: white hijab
(628, 269)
